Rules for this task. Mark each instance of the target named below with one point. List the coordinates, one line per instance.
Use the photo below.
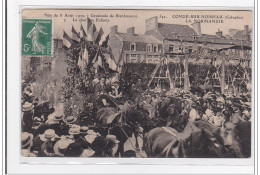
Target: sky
(64, 19)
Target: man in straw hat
(26, 144)
(61, 146)
(49, 138)
(55, 120)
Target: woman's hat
(70, 119)
(48, 134)
(26, 139)
(84, 129)
(74, 130)
(27, 107)
(61, 146)
(73, 150)
(113, 138)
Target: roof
(241, 34)
(169, 31)
(137, 38)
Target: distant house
(236, 34)
(131, 47)
(179, 39)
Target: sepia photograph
(136, 83)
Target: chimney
(114, 29)
(246, 29)
(197, 27)
(151, 23)
(219, 34)
(131, 30)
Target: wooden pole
(222, 83)
(186, 74)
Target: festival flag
(99, 61)
(82, 32)
(96, 57)
(89, 23)
(105, 43)
(92, 32)
(80, 62)
(111, 63)
(74, 35)
(85, 56)
(99, 35)
(67, 41)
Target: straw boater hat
(70, 119)
(26, 139)
(48, 135)
(113, 138)
(27, 107)
(74, 130)
(55, 117)
(91, 135)
(61, 146)
(84, 129)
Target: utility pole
(186, 73)
(222, 77)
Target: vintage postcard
(136, 83)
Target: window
(133, 47)
(149, 48)
(155, 48)
(170, 48)
(180, 47)
(190, 49)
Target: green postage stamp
(36, 37)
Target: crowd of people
(48, 132)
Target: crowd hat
(74, 130)
(247, 104)
(73, 150)
(87, 153)
(236, 109)
(26, 139)
(48, 135)
(55, 117)
(220, 100)
(71, 119)
(61, 146)
(84, 129)
(112, 138)
(91, 136)
(247, 114)
(27, 107)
